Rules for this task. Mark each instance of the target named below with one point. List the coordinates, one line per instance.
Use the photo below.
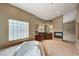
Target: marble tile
(58, 47)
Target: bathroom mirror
(44, 28)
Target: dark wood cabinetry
(49, 36)
(39, 37)
(45, 36)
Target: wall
(57, 24)
(8, 11)
(69, 25)
(69, 31)
(77, 21)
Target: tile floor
(58, 47)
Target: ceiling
(47, 11)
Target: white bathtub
(30, 48)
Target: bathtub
(30, 48)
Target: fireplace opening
(58, 34)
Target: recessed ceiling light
(58, 12)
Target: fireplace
(58, 34)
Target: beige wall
(69, 31)
(10, 12)
(77, 21)
(58, 23)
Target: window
(18, 29)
